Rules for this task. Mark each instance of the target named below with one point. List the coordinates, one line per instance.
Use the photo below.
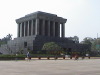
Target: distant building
(75, 39)
(38, 28)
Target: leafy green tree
(87, 40)
(51, 46)
(96, 44)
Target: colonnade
(41, 27)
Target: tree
(5, 39)
(87, 40)
(96, 44)
(9, 37)
(51, 46)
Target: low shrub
(12, 56)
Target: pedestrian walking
(76, 57)
(28, 56)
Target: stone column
(28, 29)
(58, 29)
(24, 28)
(31, 27)
(43, 28)
(37, 27)
(54, 29)
(20, 29)
(48, 28)
(63, 30)
(34, 22)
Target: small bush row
(12, 56)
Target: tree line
(5, 39)
(94, 42)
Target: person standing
(16, 57)
(88, 55)
(76, 56)
(28, 56)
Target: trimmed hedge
(44, 55)
(12, 57)
(22, 57)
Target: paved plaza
(51, 67)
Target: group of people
(76, 56)
(83, 56)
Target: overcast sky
(83, 16)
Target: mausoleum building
(35, 29)
(40, 23)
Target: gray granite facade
(37, 28)
(41, 23)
